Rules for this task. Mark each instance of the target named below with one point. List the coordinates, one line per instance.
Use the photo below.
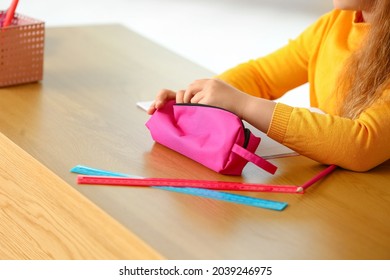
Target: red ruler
(203, 184)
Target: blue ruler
(84, 170)
(218, 195)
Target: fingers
(180, 96)
(197, 98)
(152, 108)
(162, 97)
(192, 90)
(193, 94)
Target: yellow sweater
(316, 56)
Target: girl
(345, 57)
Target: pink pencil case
(211, 136)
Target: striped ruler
(108, 177)
(203, 184)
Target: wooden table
(84, 112)
(42, 217)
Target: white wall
(216, 34)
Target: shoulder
(335, 18)
(334, 23)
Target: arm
(271, 76)
(357, 145)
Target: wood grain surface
(42, 217)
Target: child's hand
(162, 97)
(215, 92)
(212, 92)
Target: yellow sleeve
(273, 75)
(358, 145)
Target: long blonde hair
(367, 71)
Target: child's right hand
(162, 98)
